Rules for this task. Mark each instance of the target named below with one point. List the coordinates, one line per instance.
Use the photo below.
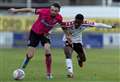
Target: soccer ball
(18, 74)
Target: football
(18, 74)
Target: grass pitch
(103, 65)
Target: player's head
(79, 19)
(55, 9)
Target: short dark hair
(79, 16)
(56, 5)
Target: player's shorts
(34, 39)
(79, 50)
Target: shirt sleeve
(88, 23)
(60, 19)
(68, 24)
(97, 25)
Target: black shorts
(80, 51)
(75, 46)
(78, 48)
(34, 39)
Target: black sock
(26, 61)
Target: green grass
(103, 65)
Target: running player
(73, 40)
(47, 19)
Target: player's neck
(77, 26)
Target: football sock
(69, 65)
(25, 62)
(48, 61)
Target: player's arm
(64, 28)
(102, 25)
(97, 25)
(68, 34)
(13, 10)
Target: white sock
(69, 65)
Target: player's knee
(29, 55)
(68, 56)
(84, 59)
(30, 52)
(47, 48)
(67, 52)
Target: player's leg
(29, 55)
(48, 60)
(33, 42)
(48, 56)
(81, 55)
(68, 55)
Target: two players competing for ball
(48, 17)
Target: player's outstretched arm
(98, 25)
(13, 10)
(102, 25)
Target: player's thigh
(68, 49)
(33, 39)
(45, 41)
(78, 48)
(80, 51)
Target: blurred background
(14, 28)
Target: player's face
(78, 22)
(54, 11)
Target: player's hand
(114, 25)
(69, 39)
(13, 10)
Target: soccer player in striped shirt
(47, 19)
(73, 40)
